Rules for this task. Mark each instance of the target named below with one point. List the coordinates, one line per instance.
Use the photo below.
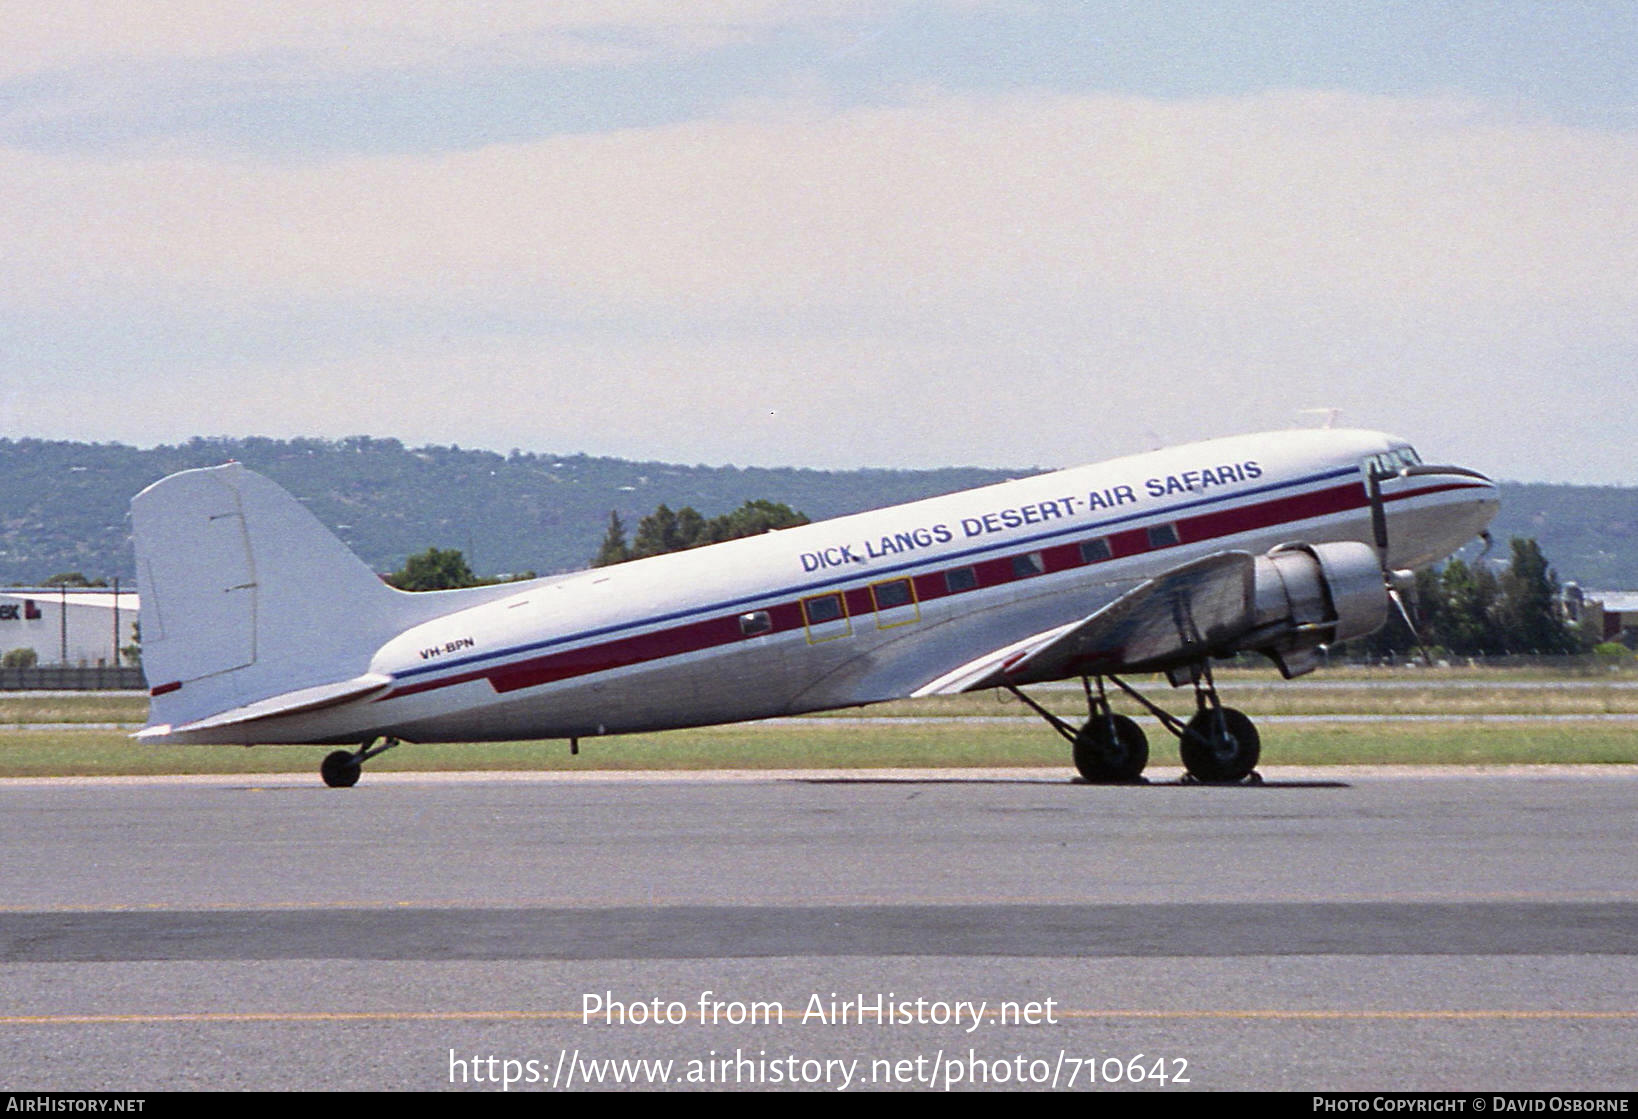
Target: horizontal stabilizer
(290, 703)
(251, 608)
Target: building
(1612, 615)
(72, 626)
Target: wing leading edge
(1195, 610)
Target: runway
(1347, 929)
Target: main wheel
(1111, 748)
(339, 770)
(1220, 745)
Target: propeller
(1397, 583)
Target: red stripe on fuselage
(711, 633)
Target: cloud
(941, 200)
(353, 35)
(951, 275)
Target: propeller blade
(1392, 579)
(1379, 516)
(1410, 624)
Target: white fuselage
(872, 606)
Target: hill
(1590, 533)
(64, 504)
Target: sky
(827, 233)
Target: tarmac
(1341, 928)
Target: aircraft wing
(1191, 611)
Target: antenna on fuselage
(1330, 415)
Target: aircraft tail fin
(246, 596)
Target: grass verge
(821, 743)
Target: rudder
(245, 595)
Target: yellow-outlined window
(898, 595)
(826, 618)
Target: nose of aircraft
(1466, 502)
(1478, 487)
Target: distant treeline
(666, 531)
(1472, 610)
(63, 505)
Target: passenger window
(1026, 565)
(891, 594)
(960, 579)
(755, 624)
(822, 608)
(826, 617)
(1095, 551)
(1162, 536)
(895, 594)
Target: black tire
(1220, 752)
(339, 770)
(1111, 749)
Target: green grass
(1258, 694)
(81, 707)
(821, 743)
(1274, 698)
(68, 746)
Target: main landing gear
(1219, 745)
(342, 768)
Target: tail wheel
(1220, 744)
(340, 769)
(1111, 749)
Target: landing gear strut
(1109, 749)
(342, 768)
(1219, 745)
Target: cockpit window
(1392, 461)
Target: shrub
(19, 658)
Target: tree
(614, 548)
(19, 658)
(1468, 624)
(753, 519)
(665, 531)
(1529, 611)
(1473, 612)
(659, 533)
(436, 569)
(692, 529)
(74, 579)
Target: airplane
(260, 626)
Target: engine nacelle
(1309, 595)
